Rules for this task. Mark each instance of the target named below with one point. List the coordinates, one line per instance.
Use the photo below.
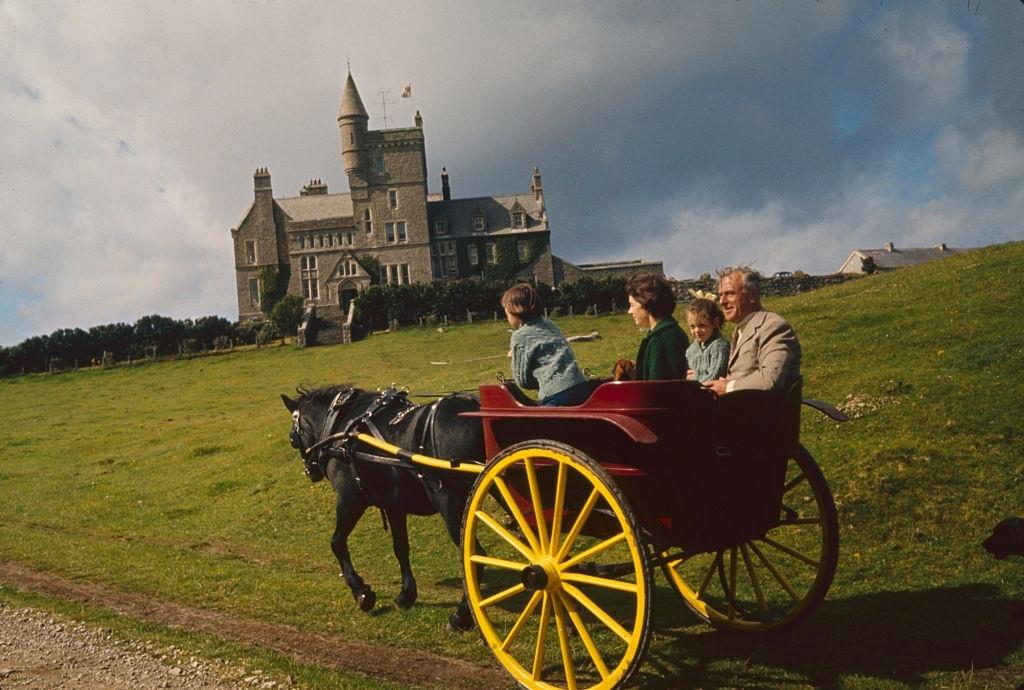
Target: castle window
(441, 227)
(518, 220)
(491, 252)
(250, 252)
(479, 223)
(378, 165)
(320, 240)
(523, 251)
(367, 221)
(254, 293)
(308, 278)
(302, 242)
(473, 255)
(348, 239)
(395, 274)
(395, 232)
(393, 198)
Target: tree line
(150, 336)
(376, 308)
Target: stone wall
(771, 287)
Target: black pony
(435, 430)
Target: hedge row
(380, 305)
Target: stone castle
(390, 223)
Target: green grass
(176, 480)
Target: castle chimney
(941, 246)
(315, 187)
(446, 192)
(261, 184)
(538, 189)
(889, 247)
(418, 120)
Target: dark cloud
(699, 134)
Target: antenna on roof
(383, 93)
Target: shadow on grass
(891, 636)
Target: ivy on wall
(273, 286)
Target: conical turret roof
(351, 103)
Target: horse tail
(384, 519)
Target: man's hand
(717, 386)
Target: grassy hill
(176, 480)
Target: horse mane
(323, 391)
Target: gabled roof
(889, 257)
(336, 273)
(459, 213)
(316, 206)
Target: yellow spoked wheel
(555, 569)
(772, 582)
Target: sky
(701, 134)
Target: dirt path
(397, 665)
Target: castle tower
(352, 120)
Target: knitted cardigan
(542, 359)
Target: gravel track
(111, 665)
(42, 650)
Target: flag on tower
(407, 91)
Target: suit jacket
(662, 353)
(766, 356)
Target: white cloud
(699, 134)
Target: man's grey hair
(750, 278)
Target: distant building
(388, 221)
(889, 257)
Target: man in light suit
(764, 354)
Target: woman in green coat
(662, 353)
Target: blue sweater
(709, 361)
(542, 359)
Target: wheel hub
(542, 575)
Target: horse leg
(347, 514)
(450, 505)
(400, 543)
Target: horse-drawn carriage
(576, 507)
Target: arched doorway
(347, 292)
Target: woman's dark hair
(522, 300)
(653, 293)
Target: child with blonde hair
(708, 354)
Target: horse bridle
(312, 456)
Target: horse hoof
(366, 600)
(404, 602)
(461, 621)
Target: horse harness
(386, 399)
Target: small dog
(1007, 538)
(623, 370)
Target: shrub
(287, 314)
